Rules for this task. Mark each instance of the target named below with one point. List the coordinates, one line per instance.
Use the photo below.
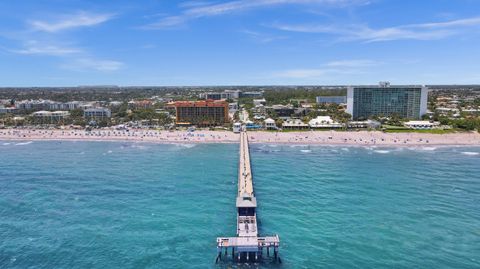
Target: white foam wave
(306, 150)
(6, 144)
(470, 153)
(137, 146)
(298, 146)
(421, 148)
(382, 151)
(23, 143)
(188, 146)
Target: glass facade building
(408, 102)
(331, 99)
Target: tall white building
(97, 113)
(384, 100)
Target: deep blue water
(127, 205)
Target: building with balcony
(50, 116)
(294, 124)
(97, 113)
(408, 102)
(201, 113)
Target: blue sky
(244, 42)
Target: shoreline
(326, 138)
(297, 144)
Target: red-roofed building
(201, 113)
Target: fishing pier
(247, 246)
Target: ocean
(139, 205)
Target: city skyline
(264, 42)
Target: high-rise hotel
(408, 102)
(201, 113)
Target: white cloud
(206, 10)
(35, 48)
(232, 6)
(341, 67)
(190, 4)
(425, 31)
(79, 19)
(167, 22)
(311, 28)
(94, 64)
(453, 23)
(263, 37)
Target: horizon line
(229, 86)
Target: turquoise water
(126, 205)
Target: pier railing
(247, 245)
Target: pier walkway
(247, 245)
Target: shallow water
(140, 205)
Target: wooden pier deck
(247, 245)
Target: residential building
(227, 94)
(282, 110)
(331, 99)
(257, 102)
(471, 111)
(373, 124)
(270, 124)
(232, 94)
(72, 105)
(259, 110)
(39, 105)
(97, 113)
(324, 122)
(294, 124)
(252, 94)
(211, 96)
(33, 105)
(8, 110)
(302, 111)
(88, 105)
(447, 110)
(384, 100)
(421, 124)
(51, 116)
(233, 107)
(201, 113)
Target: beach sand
(203, 136)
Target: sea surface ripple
(139, 205)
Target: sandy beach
(201, 136)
